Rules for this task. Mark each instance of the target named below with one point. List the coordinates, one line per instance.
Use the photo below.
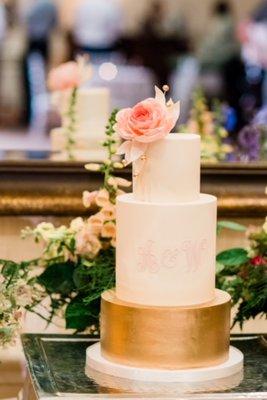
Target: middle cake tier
(166, 252)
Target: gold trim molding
(62, 205)
(46, 188)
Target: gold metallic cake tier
(165, 337)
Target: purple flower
(261, 117)
(249, 142)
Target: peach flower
(95, 223)
(89, 198)
(87, 244)
(109, 230)
(108, 212)
(102, 198)
(69, 75)
(148, 121)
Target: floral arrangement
(249, 143)
(17, 291)
(243, 274)
(209, 124)
(68, 78)
(252, 139)
(79, 260)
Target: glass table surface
(56, 365)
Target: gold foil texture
(165, 337)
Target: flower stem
(71, 127)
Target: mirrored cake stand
(56, 368)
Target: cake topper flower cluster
(148, 121)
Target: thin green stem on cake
(71, 127)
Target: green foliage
(79, 286)
(58, 278)
(243, 274)
(233, 257)
(234, 226)
(110, 143)
(80, 316)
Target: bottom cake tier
(165, 337)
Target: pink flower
(69, 75)
(87, 244)
(257, 261)
(148, 121)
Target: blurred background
(132, 45)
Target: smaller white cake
(92, 113)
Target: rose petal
(132, 150)
(160, 96)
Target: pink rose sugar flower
(69, 75)
(148, 121)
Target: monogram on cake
(165, 328)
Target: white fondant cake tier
(87, 147)
(171, 170)
(92, 109)
(166, 252)
(141, 380)
(92, 113)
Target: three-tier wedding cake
(165, 322)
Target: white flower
(44, 227)
(123, 182)
(23, 295)
(85, 68)
(118, 165)
(5, 303)
(77, 224)
(112, 182)
(48, 231)
(93, 167)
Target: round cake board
(123, 377)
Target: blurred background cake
(91, 113)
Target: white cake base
(126, 378)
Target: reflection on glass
(216, 46)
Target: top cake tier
(169, 171)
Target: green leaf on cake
(233, 257)
(58, 278)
